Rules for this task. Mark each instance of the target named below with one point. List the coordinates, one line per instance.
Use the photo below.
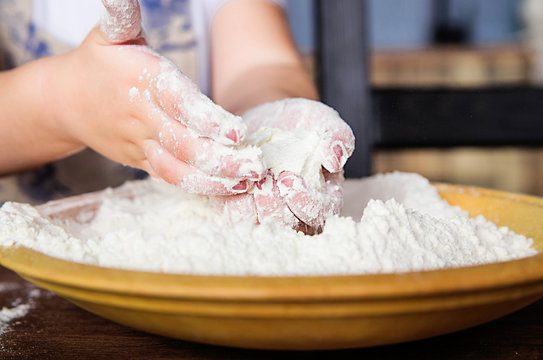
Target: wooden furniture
(453, 66)
(415, 117)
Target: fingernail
(338, 150)
(233, 135)
(241, 186)
(338, 158)
(289, 181)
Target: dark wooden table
(55, 329)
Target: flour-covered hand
(297, 200)
(305, 145)
(137, 108)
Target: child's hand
(135, 107)
(286, 196)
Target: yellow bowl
(306, 312)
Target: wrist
(265, 84)
(54, 97)
(29, 119)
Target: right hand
(286, 197)
(135, 107)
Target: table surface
(54, 328)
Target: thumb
(121, 22)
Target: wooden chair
(411, 117)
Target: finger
(210, 157)
(338, 146)
(311, 206)
(189, 179)
(181, 99)
(121, 22)
(270, 205)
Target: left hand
(137, 108)
(285, 197)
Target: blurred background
(450, 44)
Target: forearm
(264, 84)
(254, 59)
(30, 133)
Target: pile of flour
(391, 223)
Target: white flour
(10, 314)
(18, 309)
(278, 147)
(165, 230)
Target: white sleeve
(202, 13)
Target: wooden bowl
(303, 313)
